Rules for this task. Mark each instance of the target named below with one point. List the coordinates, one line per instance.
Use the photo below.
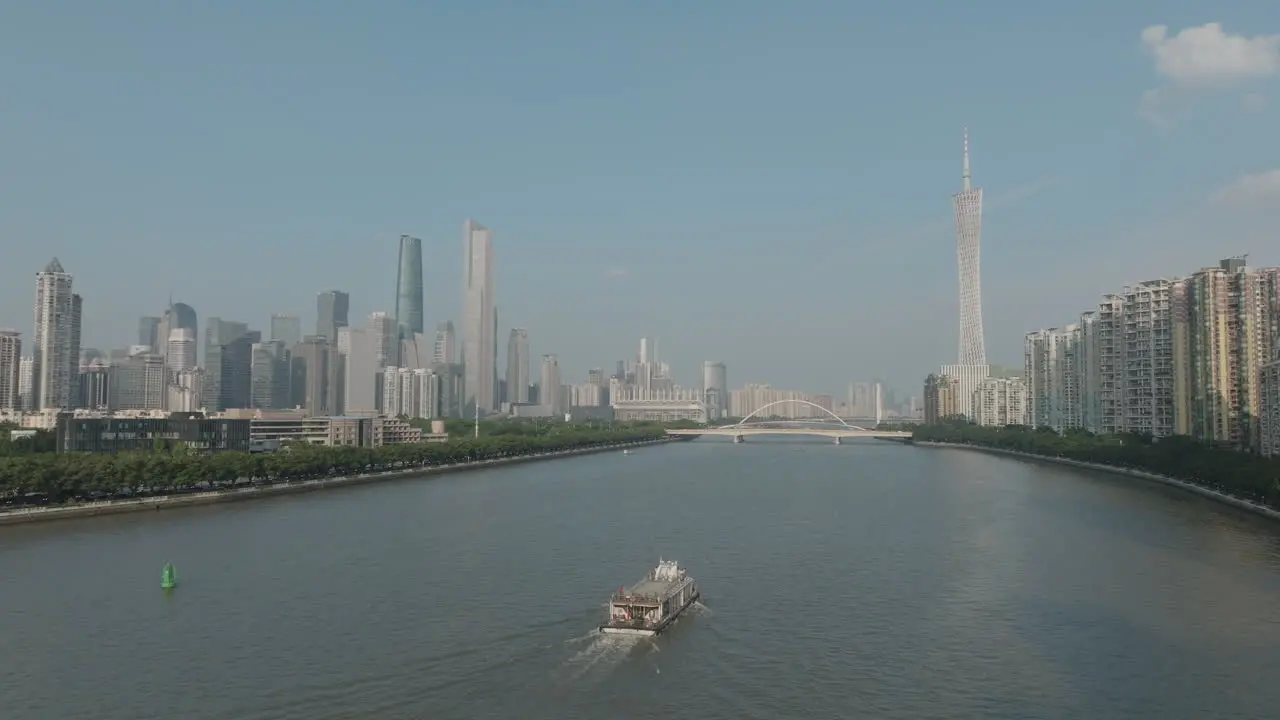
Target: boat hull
(655, 630)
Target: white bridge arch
(766, 406)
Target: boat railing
(628, 598)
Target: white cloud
(1206, 56)
(1253, 101)
(1250, 190)
(615, 272)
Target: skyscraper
(518, 366)
(332, 307)
(148, 332)
(550, 392)
(177, 315)
(971, 368)
(446, 346)
(287, 329)
(409, 287)
(55, 351)
(968, 210)
(478, 332)
(10, 369)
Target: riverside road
(869, 579)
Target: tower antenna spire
(967, 177)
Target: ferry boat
(649, 606)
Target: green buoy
(169, 578)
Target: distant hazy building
(417, 352)
(269, 375)
(552, 392)
(412, 392)
(361, 351)
(95, 385)
(287, 329)
(56, 345)
(138, 382)
(177, 315)
(313, 381)
(518, 366)
(228, 364)
(26, 382)
(180, 350)
(186, 391)
(149, 332)
(10, 369)
(715, 389)
(446, 345)
(332, 308)
(409, 311)
(479, 349)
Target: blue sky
(760, 182)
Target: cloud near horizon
(1255, 189)
(1204, 59)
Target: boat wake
(601, 654)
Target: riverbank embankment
(1140, 474)
(254, 492)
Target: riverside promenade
(170, 502)
(1140, 474)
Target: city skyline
(808, 210)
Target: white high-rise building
(56, 346)
(10, 369)
(1000, 402)
(412, 392)
(479, 349)
(180, 350)
(1054, 375)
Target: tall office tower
(312, 376)
(478, 332)
(137, 383)
(385, 337)
(149, 332)
(95, 385)
(177, 315)
(269, 375)
(180, 350)
(332, 307)
(361, 348)
(518, 366)
(446, 347)
(55, 351)
(10, 369)
(287, 329)
(971, 368)
(715, 389)
(551, 392)
(228, 364)
(409, 287)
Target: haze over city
(778, 198)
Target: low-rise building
(112, 434)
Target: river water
(864, 580)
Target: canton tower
(968, 209)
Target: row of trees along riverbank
(1241, 475)
(31, 477)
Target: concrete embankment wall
(1150, 477)
(170, 502)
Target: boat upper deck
(655, 587)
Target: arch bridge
(835, 427)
